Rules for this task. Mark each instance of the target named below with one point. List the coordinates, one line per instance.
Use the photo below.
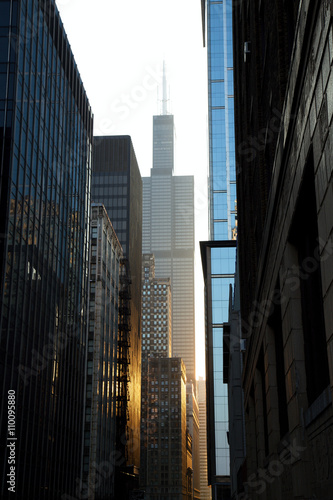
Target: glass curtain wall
(222, 212)
(222, 171)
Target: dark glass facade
(45, 148)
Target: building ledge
(318, 406)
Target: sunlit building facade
(100, 407)
(219, 254)
(45, 163)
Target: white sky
(119, 47)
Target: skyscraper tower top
(163, 135)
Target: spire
(165, 98)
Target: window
(304, 236)
(275, 322)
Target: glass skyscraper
(222, 171)
(219, 254)
(45, 159)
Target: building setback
(116, 182)
(100, 410)
(283, 95)
(45, 149)
(156, 340)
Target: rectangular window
(275, 322)
(304, 236)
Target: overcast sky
(119, 48)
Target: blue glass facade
(219, 254)
(222, 171)
(45, 163)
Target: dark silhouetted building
(233, 349)
(116, 182)
(45, 150)
(283, 115)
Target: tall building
(156, 343)
(116, 182)
(168, 233)
(205, 490)
(45, 160)
(101, 386)
(167, 476)
(156, 312)
(283, 117)
(219, 254)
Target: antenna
(165, 99)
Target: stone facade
(284, 107)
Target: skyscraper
(101, 387)
(218, 254)
(116, 182)
(156, 343)
(156, 312)
(45, 160)
(166, 440)
(168, 233)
